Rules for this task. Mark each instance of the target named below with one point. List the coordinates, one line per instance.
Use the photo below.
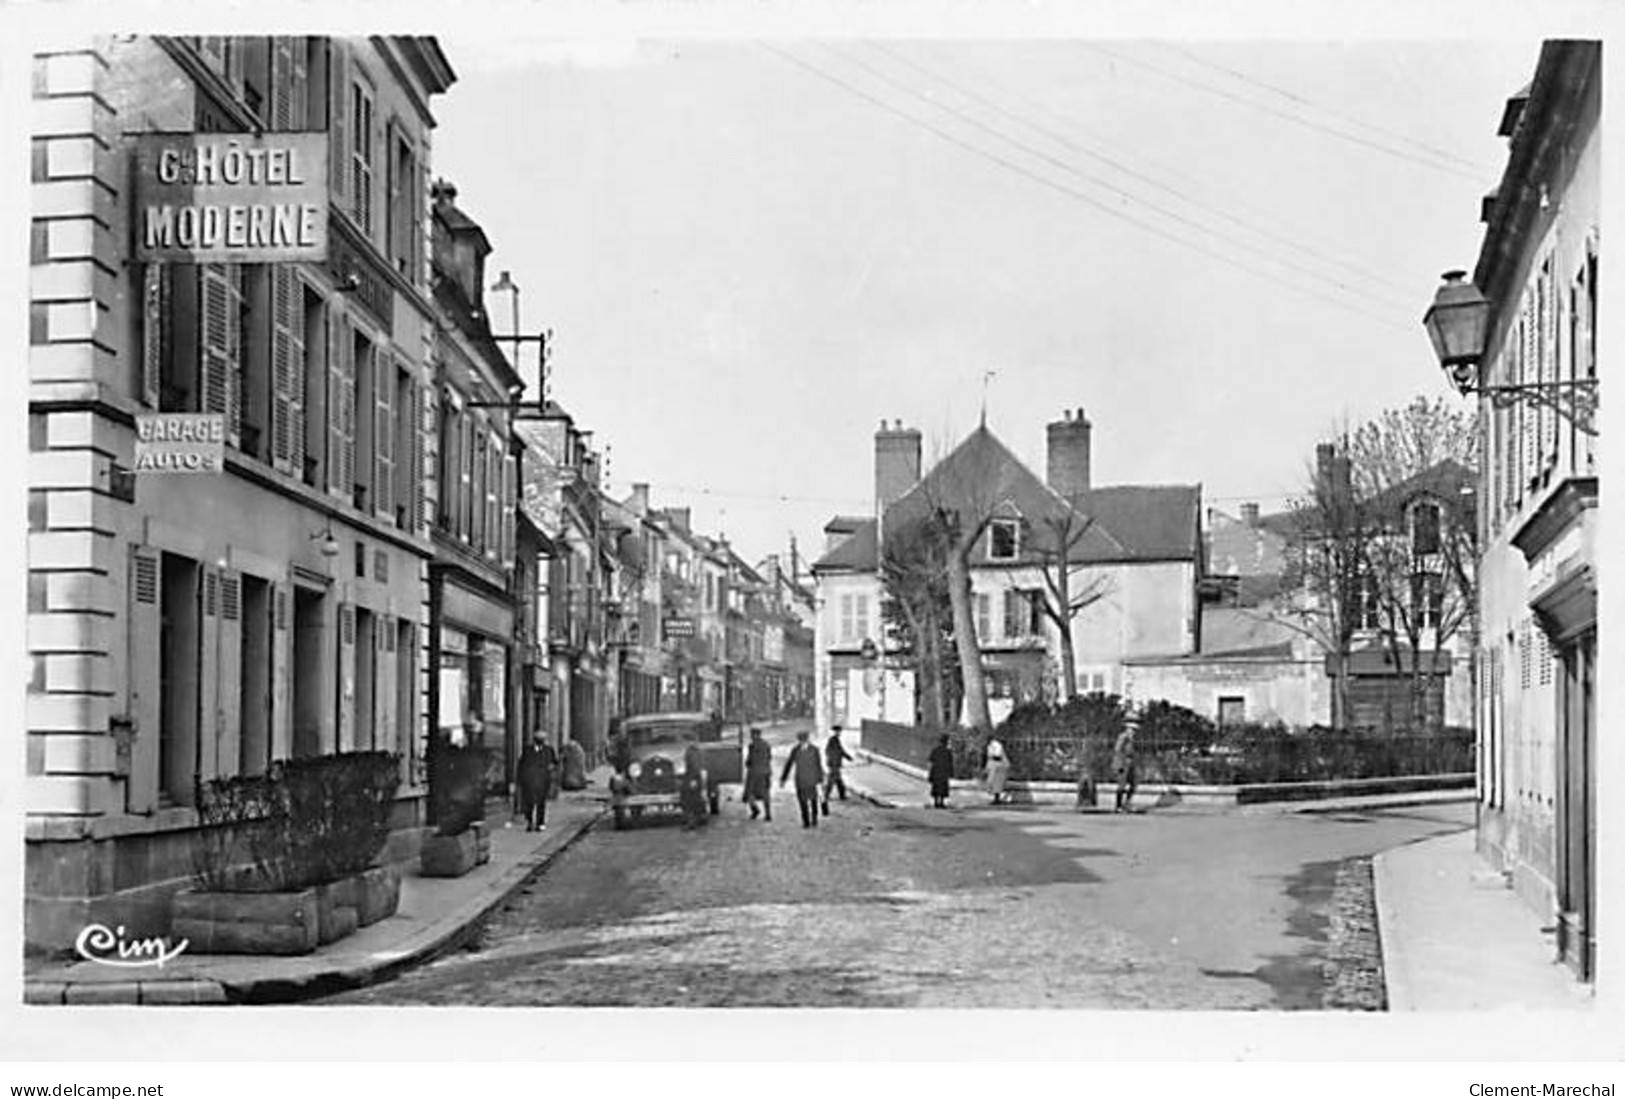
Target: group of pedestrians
(817, 775)
(996, 769)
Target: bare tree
(1063, 533)
(1414, 466)
(1323, 591)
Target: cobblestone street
(971, 907)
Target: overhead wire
(1287, 93)
(1090, 200)
(1213, 210)
(1226, 197)
(1278, 113)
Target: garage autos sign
(231, 198)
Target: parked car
(653, 756)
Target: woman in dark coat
(942, 769)
(691, 788)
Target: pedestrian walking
(1123, 765)
(759, 776)
(941, 762)
(805, 764)
(620, 752)
(691, 788)
(536, 766)
(835, 754)
(998, 769)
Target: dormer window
(1003, 540)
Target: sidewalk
(435, 915)
(1456, 938)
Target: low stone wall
(1049, 793)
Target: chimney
(897, 462)
(1068, 472)
(1249, 514)
(639, 502)
(678, 518)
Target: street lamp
(1458, 324)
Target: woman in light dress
(998, 769)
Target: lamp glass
(1457, 321)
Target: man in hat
(809, 771)
(759, 776)
(835, 754)
(535, 782)
(1123, 764)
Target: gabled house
(1263, 655)
(1139, 546)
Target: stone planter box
(482, 843)
(247, 923)
(449, 856)
(336, 910)
(378, 894)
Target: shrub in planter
(279, 853)
(459, 785)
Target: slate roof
(1130, 522)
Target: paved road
(974, 907)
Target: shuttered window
(338, 123)
(383, 434)
(493, 497)
(419, 436)
(510, 505)
(220, 343)
(288, 366)
(340, 407)
(290, 84)
(157, 333)
(361, 152)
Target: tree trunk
(1340, 690)
(1063, 625)
(969, 647)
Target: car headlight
(634, 770)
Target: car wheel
(620, 818)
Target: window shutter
(285, 350)
(282, 83)
(337, 483)
(144, 622)
(1529, 372)
(383, 433)
(1549, 357)
(298, 369)
(493, 495)
(338, 122)
(420, 435)
(212, 341)
(154, 335)
(510, 503)
(348, 410)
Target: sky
(752, 252)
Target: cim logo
(107, 946)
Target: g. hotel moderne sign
(231, 198)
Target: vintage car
(652, 754)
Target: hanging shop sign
(678, 628)
(180, 442)
(231, 198)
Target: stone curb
(1395, 964)
(440, 937)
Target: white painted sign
(180, 442)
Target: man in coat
(835, 754)
(759, 776)
(535, 782)
(809, 772)
(1123, 766)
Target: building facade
(1138, 547)
(1537, 497)
(475, 640)
(228, 531)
